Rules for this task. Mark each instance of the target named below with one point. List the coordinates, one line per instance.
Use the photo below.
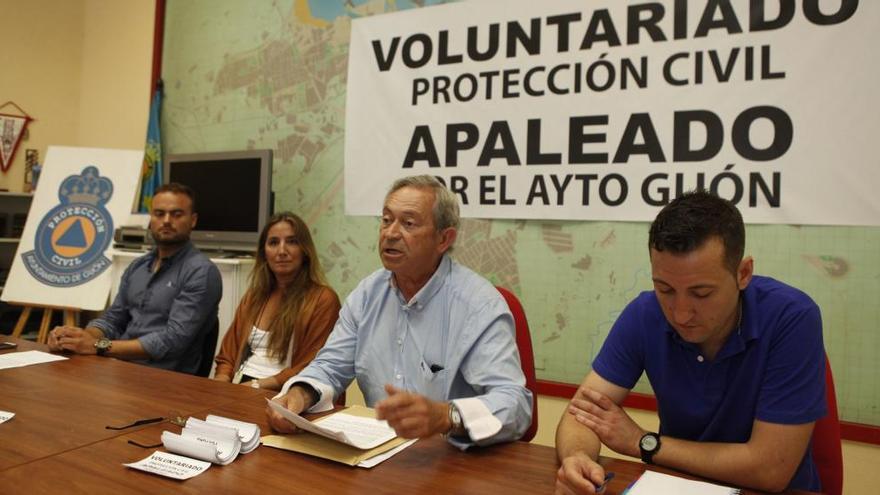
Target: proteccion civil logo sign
(71, 239)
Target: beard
(170, 239)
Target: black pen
(608, 477)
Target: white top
(260, 364)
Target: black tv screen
(233, 192)
(227, 192)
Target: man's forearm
(574, 438)
(735, 463)
(128, 349)
(94, 332)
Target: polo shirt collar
(738, 339)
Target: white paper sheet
(27, 358)
(380, 458)
(654, 483)
(6, 416)
(363, 433)
(170, 465)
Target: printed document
(363, 433)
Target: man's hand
(579, 474)
(413, 415)
(608, 421)
(296, 401)
(72, 339)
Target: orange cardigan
(313, 328)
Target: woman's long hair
(299, 298)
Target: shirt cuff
(325, 393)
(478, 420)
(105, 329)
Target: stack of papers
(217, 440)
(354, 437)
(654, 483)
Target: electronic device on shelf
(233, 196)
(132, 238)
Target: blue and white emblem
(71, 238)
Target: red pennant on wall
(12, 128)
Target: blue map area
(330, 10)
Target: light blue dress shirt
(455, 339)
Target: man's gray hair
(445, 204)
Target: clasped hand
(72, 339)
(607, 420)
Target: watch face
(456, 416)
(649, 442)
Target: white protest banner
(605, 110)
(61, 260)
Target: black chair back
(208, 346)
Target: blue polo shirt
(772, 369)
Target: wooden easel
(69, 319)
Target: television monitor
(233, 196)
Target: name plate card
(171, 466)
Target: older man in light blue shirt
(431, 343)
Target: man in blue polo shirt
(735, 360)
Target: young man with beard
(167, 299)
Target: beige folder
(326, 448)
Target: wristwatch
(649, 445)
(457, 429)
(103, 345)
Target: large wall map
(272, 74)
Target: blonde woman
(286, 314)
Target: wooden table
(57, 442)
(64, 405)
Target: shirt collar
(429, 289)
(170, 260)
(740, 337)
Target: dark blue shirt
(169, 311)
(772, 369)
